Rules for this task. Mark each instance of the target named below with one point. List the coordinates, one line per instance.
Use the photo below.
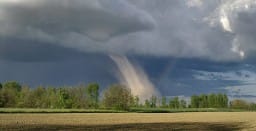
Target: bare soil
(219, 121)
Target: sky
(185, 47)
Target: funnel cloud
(134, 78)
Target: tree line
(118, 97)
(209, 101)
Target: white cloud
(245, 92)
(234, 16)
(225, 23)
(227, 10)
(236, 47)
(194, 3)
(245, 76)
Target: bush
(239, 104)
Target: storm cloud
(213, 30)
(185, 46)
(77, 24)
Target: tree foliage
(183, 103)
(147, 103)
(174, 103)
(153, 101)
(117, 97)
(9, 94)
(164, 102)
(92, 93)
(209, 101)
(12, 85)
(239, 104)
(14, 95)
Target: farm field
(129, 121)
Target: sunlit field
(130, 121)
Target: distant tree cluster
(209, 101)
(241, 104)
(12, 94)
(118, 97)
(176, 103)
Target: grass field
(32, 110)
(130, 121)
(135, 110)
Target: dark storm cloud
(85, 69)
(180, 27)
(52, 18)
(77, 24)
(34, 50)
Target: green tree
(12, 85)
(10, 94)
(117, 97)
(164, 105)
(92, 93)
(24, 99)
(34, 99)
(136, 101)
(50, 98)
(2, 100)
(195, 101)
(38, 95)
(183, 103)
(203, 101)
(65, 100)
(219, 100)
(225, 101)
(79, 97)
(174, 103)
(252, 106)
(147, 103)
(1, 96)
(212, 101)
(9, 97)
(153, 101)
